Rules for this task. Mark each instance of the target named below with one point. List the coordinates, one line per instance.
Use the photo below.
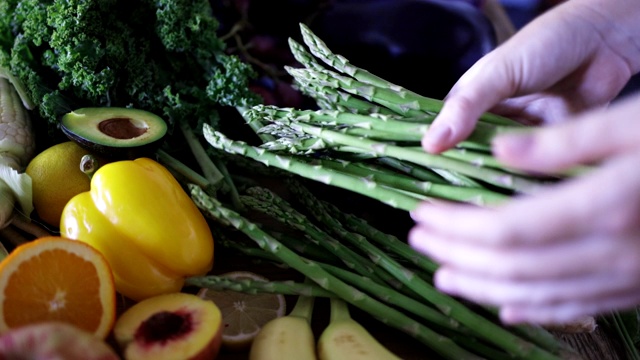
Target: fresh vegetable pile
(248, 173)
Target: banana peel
(345, 338)
(287, 337)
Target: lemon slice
(243, 315)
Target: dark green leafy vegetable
(162, 56)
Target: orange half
(57, 279)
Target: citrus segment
(57, 279)
(243, 314)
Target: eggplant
(423, 45)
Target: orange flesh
(45, 296)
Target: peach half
(170, 326)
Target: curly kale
(163, 56)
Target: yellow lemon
(56, 177)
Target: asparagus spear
(490, 331)
(418, 172)
(388, 315)
(478, 196)
(495, 177)
(318, 48)
(415, 127)
(360, 226)
(255, 287)
(265, 201)
(330, 98)
(333, 98)
(391, 197)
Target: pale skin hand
(577, 56)
(556, 256)
(573, 249)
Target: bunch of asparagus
(365, 137)
(345, 257)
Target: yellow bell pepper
(145, 224)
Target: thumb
(478, 90)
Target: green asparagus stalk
(292, 140)
(394, 245)
(265, 201)
(360, 226)
(491, 332)
(391, 296)
(451, 177)
(279, 130)
(293, 219)
(388, 315)
(335, 99)
(478, 196)
(249, 286)
(495, 177)
(309, 248)
(415, 126)
(418, 172)
(383, 293)
(319, 49)
(387, 196)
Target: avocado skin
(115, 153)
(82, 126)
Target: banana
(346, 339)
(288, 337)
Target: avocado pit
(115, 133)
(121, 128)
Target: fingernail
(436, 135)
(512, 145)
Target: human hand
(572, 249)
(570, 59)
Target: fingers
(538, 291)
(601, 202)
(563, 259)
(552, 300)
(568, 311)
(552, 257)
(562, 283)
(588, 139)
(533, 60)
(533, 220)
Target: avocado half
(115, 133)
